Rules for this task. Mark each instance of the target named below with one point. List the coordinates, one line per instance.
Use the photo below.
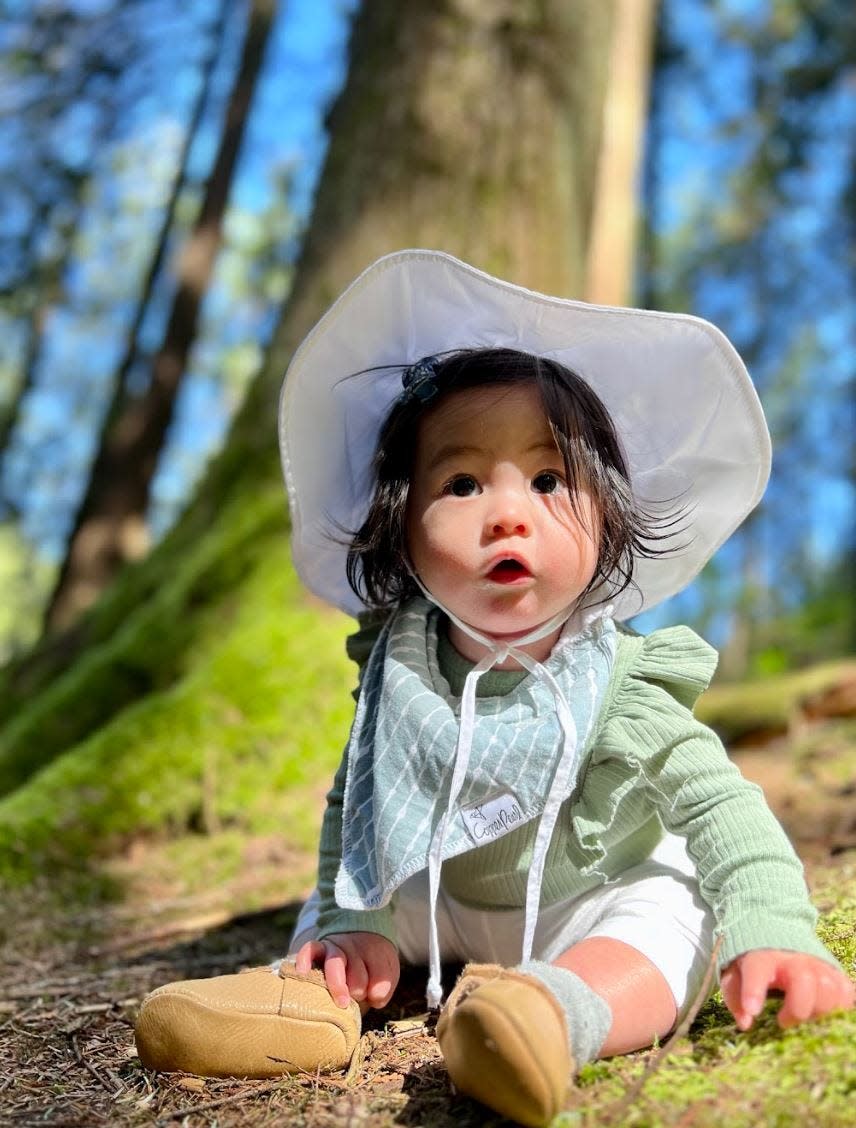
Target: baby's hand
(357, 965)
(810, 985)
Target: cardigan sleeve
(331, 918)
(747, 869)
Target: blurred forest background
(186, 187)
(158, 169)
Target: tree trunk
(9, 508)
(467, 125)
(110, 526)
(472, 127)
(609, 268)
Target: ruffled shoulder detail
(657, 680)
(677, 660)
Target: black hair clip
(420, 380)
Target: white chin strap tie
(499, 652)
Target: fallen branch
(202, 923)
(81, 1060)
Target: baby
(525, 787)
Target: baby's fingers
(800, 999)
(745, 984)
(336, 973)
(335, 964)
(831, 991)
(312, 951)
(383, 980)
(357, 977)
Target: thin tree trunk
(12, 413)
(609, 269)
(47, 288)
(110, 528)
(167, 223)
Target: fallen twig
(81, 1060)
(77, 985)
(18, 1015)
(656, 1060)
(202, 923)
(189, 1110)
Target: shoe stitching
(298, 1011)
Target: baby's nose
(509, 515)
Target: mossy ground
(68, 1002)
(241, 737)
(171, 834)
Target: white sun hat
(686, 413)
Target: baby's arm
(357, 965)
(747, 869)
(355, 948)
(810, 985)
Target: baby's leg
(513, 1038)
(614, 969)
(641, 1003)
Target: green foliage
(23, 577)
(824, 624)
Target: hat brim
(683, 404)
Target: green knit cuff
(379, 921)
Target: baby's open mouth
(507, 571)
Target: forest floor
(72, 978)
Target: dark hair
(377, 565)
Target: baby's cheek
(444, 562)
(439, 541)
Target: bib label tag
(492, 819)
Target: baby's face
(490, 527)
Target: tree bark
(110, 526)
(471, 126)
(468, 126)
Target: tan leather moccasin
(262, 1022)
(505, 1042)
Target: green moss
(798, 1077)
(159, 639)
(262, 714)
(837, 929)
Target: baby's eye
(462, 485)
(547, 482)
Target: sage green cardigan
(650, 765)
